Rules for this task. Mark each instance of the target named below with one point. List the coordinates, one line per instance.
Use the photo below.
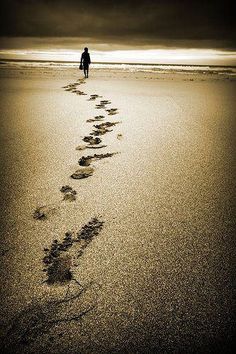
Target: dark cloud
(154, 22)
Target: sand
(158, 275)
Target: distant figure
(85, 61)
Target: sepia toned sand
(158, 276)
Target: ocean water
(149, 68)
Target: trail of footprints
(57, 260)
(62, 256)
(93, 140)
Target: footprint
(100, 131)
(102, 128)
(86, 160)
(80, 93)
(81, 147)
(90, 230)
(57, 262)
(100, 106)
(69, 193)
(91, 140)
(104, 102)
(93, 97)
(95, 119)
(42, 316)
(81, 81)
(60, 270)
(105, 125)
(70, 87)
(69, 197)
(42, 212)
(73, 88)
(119, 136)
(112, 111)
(83, 173)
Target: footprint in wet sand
(42, 212)
(119, 136)
(91, 140)
(81, 81)
(84, 172)
(104, 102)
(93, 97)
(100, 106)
(95, 119)
(43, 316)
(80, 93)
(81, 147)
(112, 111)
(102, 128)
(56, 260)
(73, 88)
(70, 87)
(105, 125)
(69, 193)
(87, 160)
(100, 131)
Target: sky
(173, 31)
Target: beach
(154, 269)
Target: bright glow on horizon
(145, 56)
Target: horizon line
(111, 63)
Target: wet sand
(154, 271)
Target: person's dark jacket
(85, 58)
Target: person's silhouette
(85, 61)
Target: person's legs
(86, 70)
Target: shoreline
(74, 73)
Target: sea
(125, 67)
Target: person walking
(85, 61)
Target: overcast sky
(178, 23)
